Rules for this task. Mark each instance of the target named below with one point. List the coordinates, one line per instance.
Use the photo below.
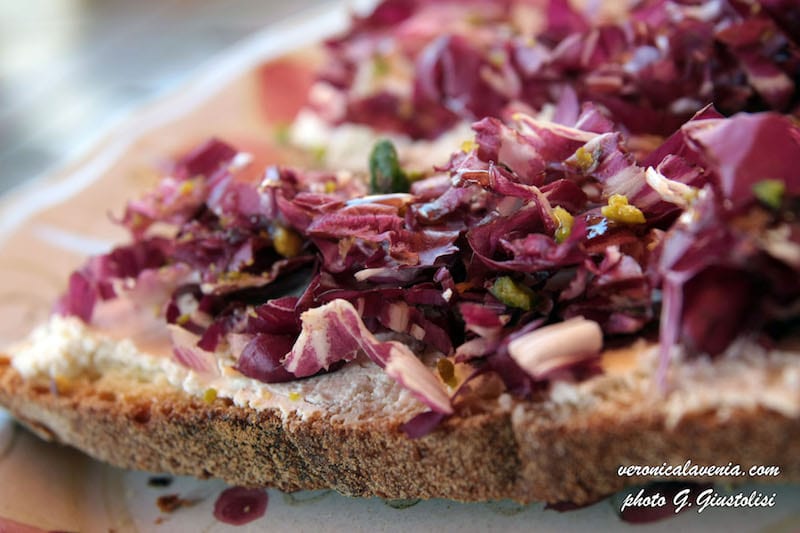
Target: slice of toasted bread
(568, 447)
(134, 425)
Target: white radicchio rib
(558, 345)
(186, 352)
(334, 332)
(671, 191)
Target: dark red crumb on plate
(239, 505)
(172, 502)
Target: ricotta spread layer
(747, 376)
(67, 348)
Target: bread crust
(530, 455)
(578, 459)
(170, 431)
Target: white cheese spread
(68, 348)
(746, 376)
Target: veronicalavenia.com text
(689, 469)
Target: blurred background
(70, 69)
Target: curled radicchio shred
(79, 299)
(422, 424)
(276, 316)
(239, 505)
(261, 358)
(708, 327)
(178, 196)
(204, 160)
(186, 351)
(426, 422)
(95, 281)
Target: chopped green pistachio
(475, 18)
(447, 371)
(210, 395)
(619, 210)
(282, 133)
(406, 110)
(513, 294)
(380, 66)
(565, 222)
(232, 276)
(414, 175)
(330, 187)
(468, 146)
(60, 384)
(187, 187)
(770, 192)
(464, 286)
(286, 241)
(497, 58)
(344, 246)
(319, 153)
(386, 176)
(137, 220)
(584, 159)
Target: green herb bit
(513, 294)
(381, 66)
(497, 58)
(770, 192)
(386, 176)
(414, 175)
(318, 153)
(283, 133)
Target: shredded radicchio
(311, 279)
(649, 69)
(532, 223)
